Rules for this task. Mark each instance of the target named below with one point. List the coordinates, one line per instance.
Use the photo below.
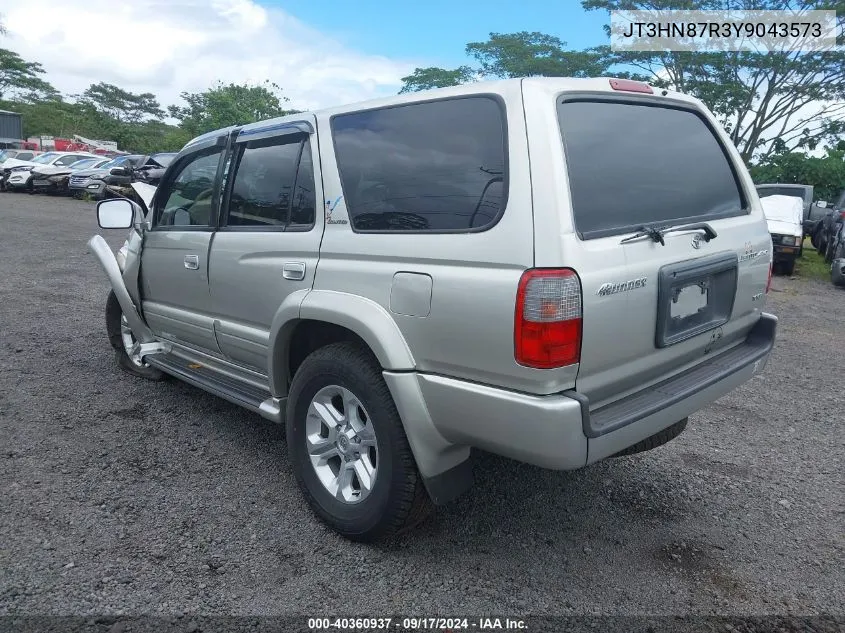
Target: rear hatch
(655, 303)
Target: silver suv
(554, 270)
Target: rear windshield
(632, 165)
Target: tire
(116, 329)
(788, 268)
(819, 241)
(829, 248)
(658, 439)
(333, 378)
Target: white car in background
(17, 173)
(54, 179)
(784, 216)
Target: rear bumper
(561, 431)
(837, 272)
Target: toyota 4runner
(554, 270)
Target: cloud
(170, 46)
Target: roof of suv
(552, 84)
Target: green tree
(229, 104)
(826, 173)
(527, 54)
(433, 77)
(769, 102)
(520, 54)
(18, 76)
(121, 105)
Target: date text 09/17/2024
(417, 624)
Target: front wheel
(348, 447)
(123, 341)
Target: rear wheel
(830, 245)
(348, 447)
(819, 241)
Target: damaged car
(119, 171)
(17, 174)
(53, 180)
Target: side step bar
(226, 387)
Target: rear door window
(273, 185)
(632, 165)
(439, 166)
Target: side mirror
(117, 213)
(119, 171)
(821, 204)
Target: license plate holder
(694, 297)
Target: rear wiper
(656, 234)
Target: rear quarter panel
(466, 330)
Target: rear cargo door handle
(192, 262)
(295, 271)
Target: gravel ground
(124, 496)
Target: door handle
(192, 262)
(295, 271)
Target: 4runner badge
(330, 206)
(611, 289)
(748, 253)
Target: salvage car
(52, 179)
(811, 214)
(19, 154)
(829, 226)
(95, 182)
(555, 270)
(20, 176)
(783, 217)
(837, 263)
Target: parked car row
(76, 173)
(789, 222)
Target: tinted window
(190, 195)
(24, 155)
(270, 188)
(631, 165)
(437, 166)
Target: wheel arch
(321, 317)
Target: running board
(229, 388)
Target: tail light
(547, 323)
(769, 280)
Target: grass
(811, 265)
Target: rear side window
(439, 166)
(273, 185)
(632, 165)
